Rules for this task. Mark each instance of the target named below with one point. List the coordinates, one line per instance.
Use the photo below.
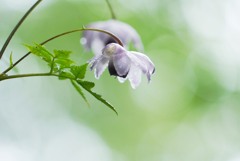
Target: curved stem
(16, 27)
(108, 33)
(82, 29)
(111, 10)
(62, 34)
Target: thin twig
(111, 10)
(16, 27)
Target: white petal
(121, 80)
(99, 64)
(134, 76)
(93, 62)
(143, 62)
(97, 46)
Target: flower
(96, 41)
(123, 64)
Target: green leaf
(79, 71)
(40, 51)
(61, 53)
(63, 63)
(88, 86)
(61, 59)
(79, 90)
(65, 75)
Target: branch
(111, 10)
(16, 27)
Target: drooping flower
(96, 41)
(123, 64)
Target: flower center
(110, 49)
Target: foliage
(64, 68)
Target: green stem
(16, 27)
(82, 29)
(111, 10)
(5, 77)
(52, 65)
(62, 34)
(25, 75)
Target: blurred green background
(188, 112)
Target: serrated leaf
(65, 75)
(79, 71)
(40, 51)
(61, 53)
(79, 90)
(63, 63)
(86, 85)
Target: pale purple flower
(96, 41)
(123, 64)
